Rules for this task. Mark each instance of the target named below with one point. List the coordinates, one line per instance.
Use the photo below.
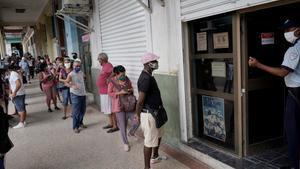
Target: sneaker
(126, 147)
(158, 159)
(20, 125)
(76, 131)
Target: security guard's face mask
(290, 36)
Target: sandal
(107, 126)
(112, 130)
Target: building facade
(213, 100)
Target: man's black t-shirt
(148, 85)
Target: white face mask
(290, 36)
(67, 65)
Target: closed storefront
(123, 34)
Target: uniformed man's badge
(293, 56)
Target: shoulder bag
(127, 101)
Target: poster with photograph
(202, 41)
(214, 117)
(221, 40)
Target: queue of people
(116, 95)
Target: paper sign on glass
(202, 41)
(267, 38)
(218, 69)
(221, 40)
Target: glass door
(213, 80)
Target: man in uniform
(290, 70)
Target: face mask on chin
(290, 36)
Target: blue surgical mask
(77, 69)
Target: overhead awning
(78, 24)
(79, 8)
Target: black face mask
(153, 65)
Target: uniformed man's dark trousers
(292, 129)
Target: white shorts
(151, 133)
(105, 103)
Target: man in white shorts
(105, 100)
(149, 100)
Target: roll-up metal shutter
(195, 9)
(123, 34)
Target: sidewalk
(48, 142)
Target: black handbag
(160, 116)
(5, 145)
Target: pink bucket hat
(148, 57)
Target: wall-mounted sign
(221, 40)
(214, 117)
(267, 38)
(218, 69)
(202, 41)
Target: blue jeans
(2, 163)
(78, 109)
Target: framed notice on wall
(202, 41)
(221, 40)
(214, 117)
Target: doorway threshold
(270, 159)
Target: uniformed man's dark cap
(290, 23)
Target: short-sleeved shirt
(291, 62)
(78, 85)
(148, 85)
(105, 72)
(14, 76)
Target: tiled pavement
(48, 142)
(271, 159)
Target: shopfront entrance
(264, 101)
(235, 108)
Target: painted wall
(167, 43)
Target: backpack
(127, 101)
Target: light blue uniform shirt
(291, 61)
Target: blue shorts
(19, 102)
(66, 96)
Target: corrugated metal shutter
(123, 34)
(195, 9)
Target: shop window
(212, 80)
